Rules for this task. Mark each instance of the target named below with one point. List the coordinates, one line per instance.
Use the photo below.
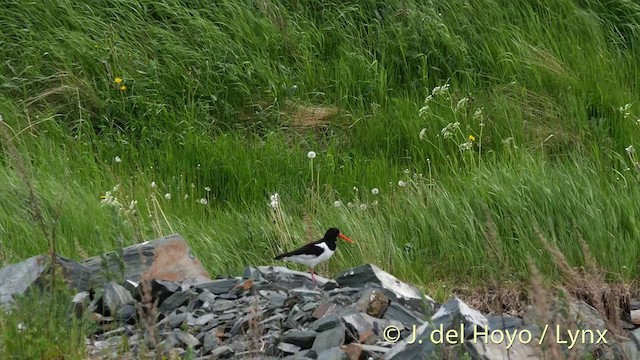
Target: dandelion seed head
(337, 203)
(374, 202)
(167, 196)
(153, 184)
(207, 189)
(117, 159)
(311, 155)
(363, 206)
(402, 183)
(203, 201)
(375, 191)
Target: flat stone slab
(393, 288)
(16, 279)
(168, 258)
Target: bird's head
(333, 233)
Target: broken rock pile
(275, 313)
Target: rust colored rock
(168, 258)
(323, 309)
(353, 351)
(368, 337)
(374, 302)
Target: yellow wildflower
(123, 88)
(117, 80)
(472, 138)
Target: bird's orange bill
(345, 238)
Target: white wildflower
(462, 103)
(375, 191)
(311, 155)
(203, 201)
(153, 184)
(440, 90)
(477, 115)
(117, 159)
(423, 134)
(167, 196)
(337, 203)
(363, 206)
(402, 183)
(630, 149)
(207, 189)
(626, 110)
(447, 131)
(423, 110)
(186, 196)
(466, 146)
(275, 201)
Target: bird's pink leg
(313, 278)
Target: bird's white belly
(310, 260)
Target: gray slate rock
(398, 312)
(16, 279)
(221, 352)
(167, 258)
(455, 312)
(419, 347)
(329, 339)
(176, 300)
(285, 277)
(186, 338)
(325, 323)
(393, 288)
(332, 354)
(302, 338)
(115, 297)
(219, 287)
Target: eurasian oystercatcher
(316, 252)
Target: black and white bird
(316, 252)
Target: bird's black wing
(309, 249)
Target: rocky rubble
(273, 313)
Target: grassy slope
(208, 85)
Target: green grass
(208, 104)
